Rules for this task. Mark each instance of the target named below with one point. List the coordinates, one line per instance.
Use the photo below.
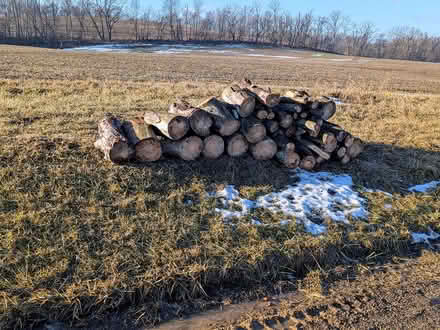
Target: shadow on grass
(139, 223)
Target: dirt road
(395, 296)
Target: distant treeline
(107, 20)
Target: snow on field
(425, 238)
(313, 198)
(425, 187)
(273, 56)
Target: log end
(121, 152)
(192, 147)
(229, 127)
(247, 107)
(237, 146)
(256, 133)
(264, 150)
(213, 147)
(308, 163)
(148, 150)
(178, 127)
(201, 123)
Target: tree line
(106, 20)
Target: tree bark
(199, 120)
(111, 140)
(147, 147)
(237, 145)
(170, 125)
(244, 100)
(264, 150)
(188, 148)
(224, 121)
(213, 147)
(253, 129)
(264, 95)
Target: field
(83, 240)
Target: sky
(385, 14)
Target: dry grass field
(82, 239)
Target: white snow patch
(335, 99)
(273, 56)
(378, 192)
(425, 187)
(388, 206)
(315, 196)
(425, 238)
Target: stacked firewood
(294, 129)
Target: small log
(284, 118)
(349, 140)
(264, 150)
(264, 95)
(112, 141)
(320, 160)
(271, 114)
(293, 131)
(253, 129)
(355, 149)
(325, 110)
(313, 147)
(308, 163)
(303, 115)
(147, 147)
(261, 111)
(172, 126)
(341, 152)
(310, 126)
(188, 148)
(244, 100)
(345, 160)
(199, 120)
(288, 157)
(327, 141)
(224, 121)
(280, 139)
(213, 147)
(236, 145)
(339, 133)
(272, 126)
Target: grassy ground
(81, 238)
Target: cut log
(280, 139)
(312, 147)
(345, 160)
(261, 111)
(112, 141)
(310, 126)
(172, 126)
(236, 145)
(244, 100)
(199, 120)
(340, 153)
(224, 121)
(272, 126)
(349, 140)
(264, 95)
(355, 149)
(288, 107)
(320, 160)
(288, 157)
(324, 111)
(253, 129)
(339, 133)
(264, 150)
(307, 163)
(284, 118)
(147, 147)
(271, 114)
(188, 148)
(327, 141)
(213, 147)
(292, 131)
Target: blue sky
(385, 14)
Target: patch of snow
(378, 192)
(335, 99)
(317, 55)
(388, 206)
(273, 56)
(425, 238)
(315, 196)
(425, 187)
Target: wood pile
(293, 129)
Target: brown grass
(81, 238)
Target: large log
(147, 147)
(236, 145)
(264, 150)
(112, 141)
(323, 110)
(172, 126)
(253, 129)
(303, 143)
(327, 141)
(199, 120)
(243, 99)
(224, 121)
(188, 148)
(288, 157)
(264, 95)
(213, 147)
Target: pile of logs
(247, 118)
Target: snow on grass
(425, 238)
(422, 188)
(272, 56)
(313, 198)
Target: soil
(396, 296)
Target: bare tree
(134, 13)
